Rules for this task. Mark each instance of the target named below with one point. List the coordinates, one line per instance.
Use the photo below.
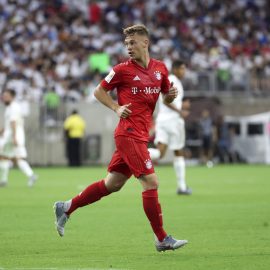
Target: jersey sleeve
(165, 85)
(113, 79)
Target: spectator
(206, 126)
(223, 140)
(52, 103)
(41, 37)
(74, 128)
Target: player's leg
(4, 163)
(136, 156)
(151, 204)
(19, 157)
(153, 212)
(113, 182)
(159, 152)
(25, 167)
(4, 167)
(161, 142)
(119, 173)
(94, 192)
(177, 143)
(180, 171)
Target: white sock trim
(67, 205)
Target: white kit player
(170, 128)
(12, 141)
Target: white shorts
(171, 133)
(8, 150)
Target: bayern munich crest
(148, 164)
(158, 75)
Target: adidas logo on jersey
(136, 78)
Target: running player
(170, 128)
(12, 141)
(138, 81)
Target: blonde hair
(139, 29)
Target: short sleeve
(113, 79)
(165, 85)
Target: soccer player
(12, 142)
(170, 128)
(139, 82)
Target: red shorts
(131, 157)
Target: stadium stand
(67, 46)
(49, 44)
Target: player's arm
(14, 130)
(183, 113)
(102, 96)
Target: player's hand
(171, 95)
(173, 92)
(124, 111)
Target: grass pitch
(226, 220)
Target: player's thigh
(162, 134)
(177, 137)
(118, 165)
(162, 147)
(14, 152)
(20, 152)
(135, 155)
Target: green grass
(226, 221)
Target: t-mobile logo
(134, 90)
(146, 90)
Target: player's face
(136, 46)
(180, 71)
(7, 98)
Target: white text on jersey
(146, 90)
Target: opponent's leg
(4, 166)
(159, 152)
(180, 171)
(27, 170)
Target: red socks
(152, 210)
(151, 205)
(91, 194)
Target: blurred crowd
(65, 47)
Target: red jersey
(140, 87)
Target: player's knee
(116, 187)
(151, 185)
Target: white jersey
(164, 112)
(13, 113)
